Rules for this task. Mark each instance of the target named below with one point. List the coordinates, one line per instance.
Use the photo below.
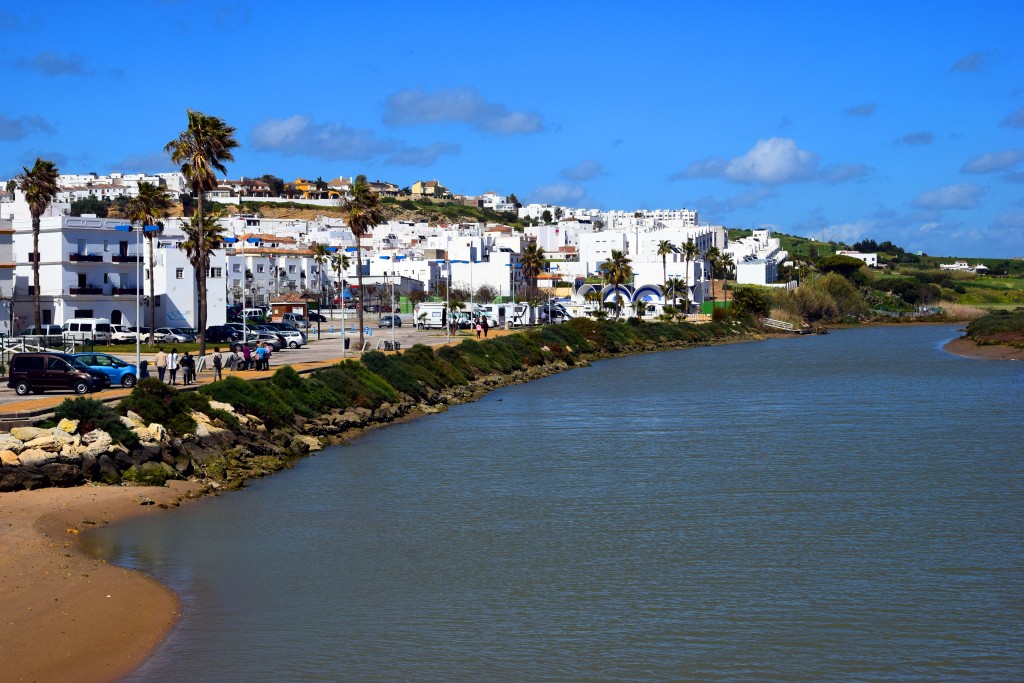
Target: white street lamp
(138, 289)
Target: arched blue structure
(610, 292)
(649, 293)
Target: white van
(88, 329)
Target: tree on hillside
(362, 212)
(40, 187)
(546, 216)
(843, 265)
(514, 200)
(201, 149)
(148, 207)
(90, 204)
(276, 184)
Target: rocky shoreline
(222, 458)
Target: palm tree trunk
(359, 276)
(152, 296)
(686, 286)
(35, 274)
(201, 275)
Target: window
(236, 267)
(259, 267)
(179, 273)
(216, 272)
(106, 246)
(106, 278)
(291, 269)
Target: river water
(834, 508)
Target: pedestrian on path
(485, 326)
(261, 353)
(246, 357)
(188, 368)
(161, 363)
(479, 329)
(233, 359)
(217, 363)
(172, 365)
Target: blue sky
(896, 120)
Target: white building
(757, 258)
(870, 259)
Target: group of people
(241, 357)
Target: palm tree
(725, 261)
(675, 285)
(321, 255)
(200, 240)
(664, 249)
(690, 252)
(362, 212)
(532, 261)
(711, 257)
(201, 149)
(40, 187)
(148, 207)
(340, 263)
(615, 271)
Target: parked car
(253, 340)
(118, 371)
(292, 337)
(390, 321)
(315, 317)
(173, 335)
(222, 334)
(49, 335)
(121, 334)
(39, 372)
(296, 319)
(143, 333)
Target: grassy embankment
(999, 327)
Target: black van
(39, 372)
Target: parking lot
(327, 348)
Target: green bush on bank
(91, 414)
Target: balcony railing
(127, 258)
(125, 290)
(87, 290)
(93, 258)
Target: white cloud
(993, 161)
(557, 193)
(1015, 119)
(922, 138)
(772, 162)
(848, 232)
(585, 170)
(415, 106)
(302, 136)
(422, 156)
(961, 196)
(23, 126)
(862, 110)
(51, 64)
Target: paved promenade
(327, 351)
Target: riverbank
(85, 636)
(68, 617)
(971, 349)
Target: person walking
(246, 357)
(268, 351)
(485, 326)
(172, 365)
(261, 353)
(160, 360)
(479, 329)
(188, 368)
(233, 359)
(217, 363)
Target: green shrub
(157, 402)
(261, 399)
(397, 375)
(357, 385)
(91, 414)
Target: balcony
(88, 290)
(128, 258)
(87, 258)
(125, 290)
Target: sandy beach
(966, 347)
(67, 616)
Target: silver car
(173, 335)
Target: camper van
(430, 315)
(88, 329)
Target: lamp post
(138, 289)
(344, 346)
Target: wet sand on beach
(68, 617)
(966, 347)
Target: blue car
(120, 373)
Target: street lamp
(344, 346)
(138, 289)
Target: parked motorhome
(430, 315)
